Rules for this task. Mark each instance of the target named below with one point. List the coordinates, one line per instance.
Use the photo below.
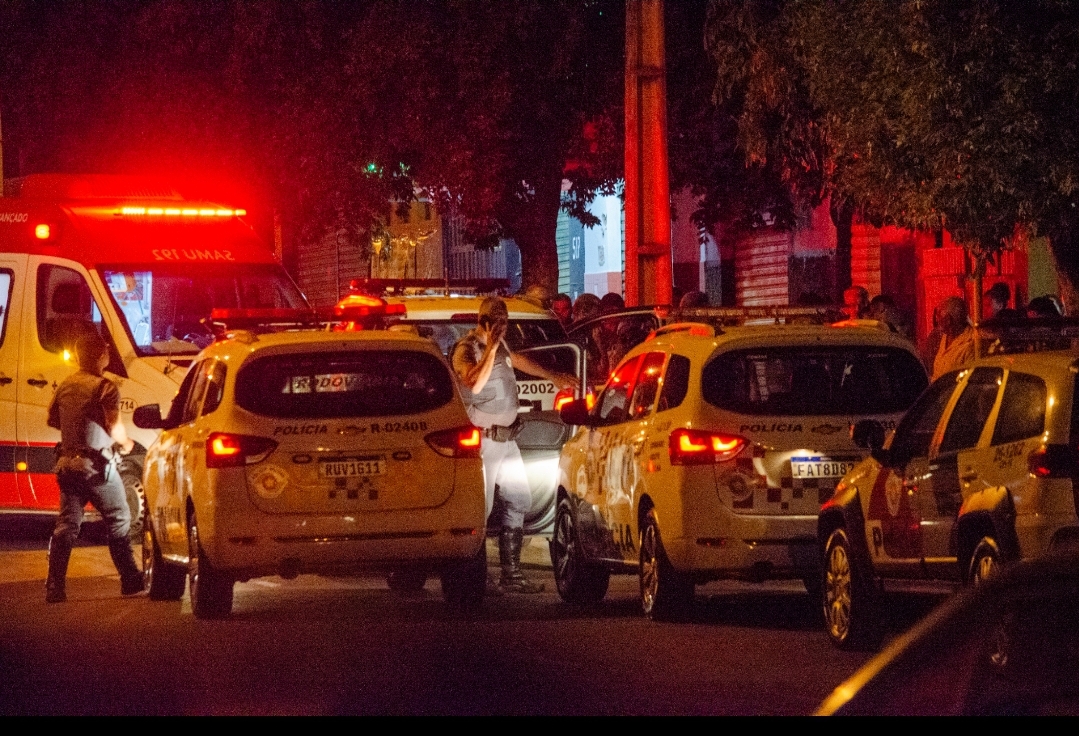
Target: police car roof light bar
(1032, 334)
(735, 315)
(420, 286)
(357, 315)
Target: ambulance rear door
(12, 278)
(59, 304)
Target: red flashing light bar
(178, 212)
(400, 286)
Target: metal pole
(647, 194)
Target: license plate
(350, 467)
(822, 467)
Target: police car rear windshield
(520, 333)
(813, 381)
(164, 306)
(360, 383)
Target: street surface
(318, 645)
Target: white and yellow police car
(290, 451)
(709, 451)
(982, 471)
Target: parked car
(709, 450)
(981, 472)
(290, 451)
(1008, 647)
(445, 314)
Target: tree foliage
(326, 110)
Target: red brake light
(225, 450)
(562, 398)
(461, 442)
(696, 447)
(1054, 461)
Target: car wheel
(210, 589)
(406, 581)
(848, 602)
(135, 502)
(984, 562)
(577, 580)
(164, 581)
(465, 582)
(665, 592)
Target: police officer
(86, 410)
(485, 365)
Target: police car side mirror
(148, 417)
(868, 434)
(576, 413)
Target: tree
(931, 113)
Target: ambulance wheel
(984, 562)
(666, 594)
(849, 605)
(577, 580)
(465, 582)
(164, 581)
(136, 502)
(406, 581)
(210, 588)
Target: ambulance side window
(66, 309)
(6, 277)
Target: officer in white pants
(485, 365)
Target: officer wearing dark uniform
(86, 410)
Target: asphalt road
(318, 645)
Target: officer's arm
(474, 374)
(532, 368)
(111, 405)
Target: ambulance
(139, 264)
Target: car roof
(691, 341)
(1040, 361)
(434, 307)
(245, 342)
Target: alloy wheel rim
(837, 593)
(985, 567)
(649, 569)
(193, 562)
(147, 555)
(563, 549)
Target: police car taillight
(460, 442)
(562, 398)
(1054, 461)
(224, 450)
(358, 306)
(697, 447)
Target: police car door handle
(5, 380)
(37, 382)
(970, 475)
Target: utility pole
(647, 194)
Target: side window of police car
(198, 389)
(614, 402)
(644, 395)
(916, 430)
(675, 383)
(972, 410)
(215, 387)
(180, 401)
(1022, 410)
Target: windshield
(163, 306)
(520, 333)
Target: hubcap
(837, 592)
(649, 569)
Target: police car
(290, 451)
(980, 472)
(445, 312)
(709, 451)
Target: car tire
(210, 589)
(665, 593)
(984, 561)
(465, 582)
(136, 502)
(406, 581)
(847, 600)
(162, 580)
(577, 580)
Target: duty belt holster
(83, 465)
(499, 433)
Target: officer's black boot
(59, 554)
(509, 555)
(122, 556)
